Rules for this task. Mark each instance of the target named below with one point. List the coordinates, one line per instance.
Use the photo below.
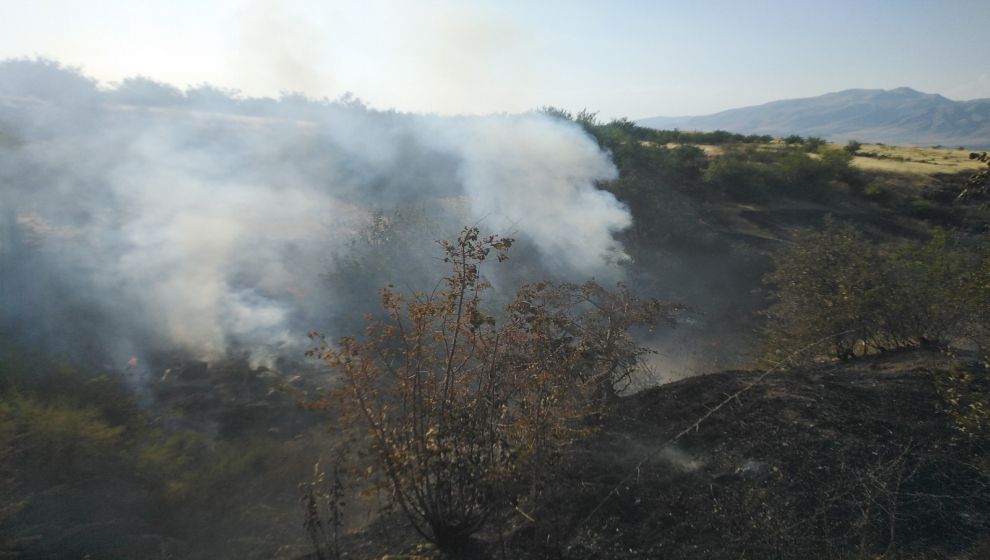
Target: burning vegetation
(827, 322)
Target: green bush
(878, 193)
(739, 179)
(812, 178)
(826, 286)
(837, 295)
(745, 174)
(805, 177)
(813, 143)
(966, 399)
(58, 437)
(191, 467)
(934, 213)
(46, 378)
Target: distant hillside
(898, 116)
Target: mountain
(898, 116)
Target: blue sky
(620, 57)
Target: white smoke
(137, 219)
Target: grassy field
(883, 158)
(914, 161)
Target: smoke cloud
(140, 218)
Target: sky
(622, 58)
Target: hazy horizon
(626, 59)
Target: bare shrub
(467, 411)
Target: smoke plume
(139, 218)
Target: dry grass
(709, 149)
(918, 162)
(915, 161)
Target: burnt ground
(810, 463)
(855, 460)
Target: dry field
(916, 161)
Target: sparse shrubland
(491, 412)
(749, 168)
(749, 175)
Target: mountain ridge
(901, 115)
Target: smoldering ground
(138, 218)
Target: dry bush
(324, 501)
(468, 411)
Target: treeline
(590, 120)
(48, 79)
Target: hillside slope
(811, 463)
(898, 116)
(855, 460)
